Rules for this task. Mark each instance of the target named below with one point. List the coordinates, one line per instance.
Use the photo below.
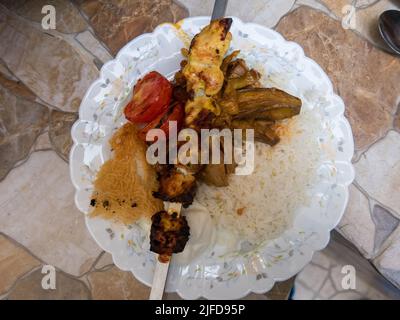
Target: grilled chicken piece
(206, 53)
(169, 234)
(199, 110)
(176, 185)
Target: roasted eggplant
(263, 131)
(266, 104)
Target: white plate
(212, 276)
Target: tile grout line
(68, 38)
(365, 150)
(285, 15)
(37, 98)
(23, 276)
(34, 269)
(88, 51)
(90, 28)
(92, 266)
(20, 162)
(371, 205)
(16, 243)
(362, 190)
(305, 285)
(23, 161)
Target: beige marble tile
(315, 4)
(374, 294)
(90, 43)
(115, 284)
(357, 225)
(48, 65)
(321, 259)
(60, 124)
(327, 290)
(265, 12)
(313, 276)
(369, 284)
(337, 6)
(388, 262)
(195, 9)
(119, 22)
(105, 261)
(348, 295)
(67, 288)
(385, 223)
(37, 209)
(5, 73)
(355, 68)
(365, 15)
(14, 263)
(378, 171)
(336, 276)
(68, 18)
(42, 142)
(21, 121)
(16, 88)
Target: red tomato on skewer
(151, 98)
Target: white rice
(277, 187)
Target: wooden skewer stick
(161, 269)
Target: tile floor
(322, 278)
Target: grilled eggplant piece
(249, 78)
(215, 175)
(176, 186)
(263, 131)
(249, 99)
(169, 234)
(273, 114)
(228, 103)
(236, 68)
(206, 54)
(266, 104)
(227, 61)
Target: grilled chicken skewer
(169, 230)
(203, 77)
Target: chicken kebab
(211, 90)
